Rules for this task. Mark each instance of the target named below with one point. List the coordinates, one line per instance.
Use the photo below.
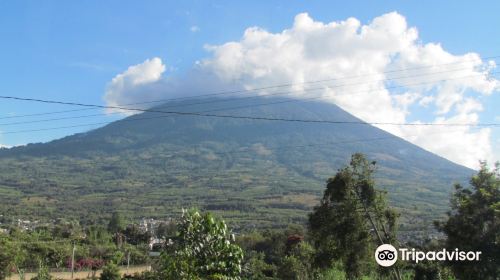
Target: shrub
(110, 272)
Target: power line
(272, 86)
(319, 81)
(220, 116)
(242, 98)
(320, 97)
(299, 90)
(238, 117)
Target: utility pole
(73, 260)
(128, 260)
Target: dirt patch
(82, 274)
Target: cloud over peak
(379, 72)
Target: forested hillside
(254, 173)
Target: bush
(203, 249)
(110, 272)
(43, 273)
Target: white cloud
(313, 50)
(463, 145)
(194, 28)
(369, 62)
(135, 83)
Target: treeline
(352, 219)
(67, 246)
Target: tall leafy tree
(351, 219)
(473, 224)
(203, 249)
(296, 264)
(116, 223)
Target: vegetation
(342, 232)
(110, 272)
(116, 224)
(203, 249)
(255, 175)
(43, 273)
(350, 209)
(6, 258)
(474, 225)
(43, 248)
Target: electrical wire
(244, 98)
(259, 88)
(232, 116)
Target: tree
(256, 268)
(473, 224)
(6, 258)
(296, 265)
(135, 236)
(116, 224)
(166, 230)
(351, 218)
(203, 249)
(431, 271)
(110, 272)
(263, 252)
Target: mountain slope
(255, 173)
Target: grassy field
(82, 274)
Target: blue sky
(69, 50)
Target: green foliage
(272, 243)
(146, 275)
(116, 223)
(98, 234)
(256, 268)
(277, 254)
(350, 209)
(473, 224)
(135, 235)
(23, 250)
(166, 230)
(428, 270)
(336, 272)
(110, 272)
(43, 272)
(6, 256)
(237, 169)
(203, 249)
(431, 271)
(137, 254)
(297, 264)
